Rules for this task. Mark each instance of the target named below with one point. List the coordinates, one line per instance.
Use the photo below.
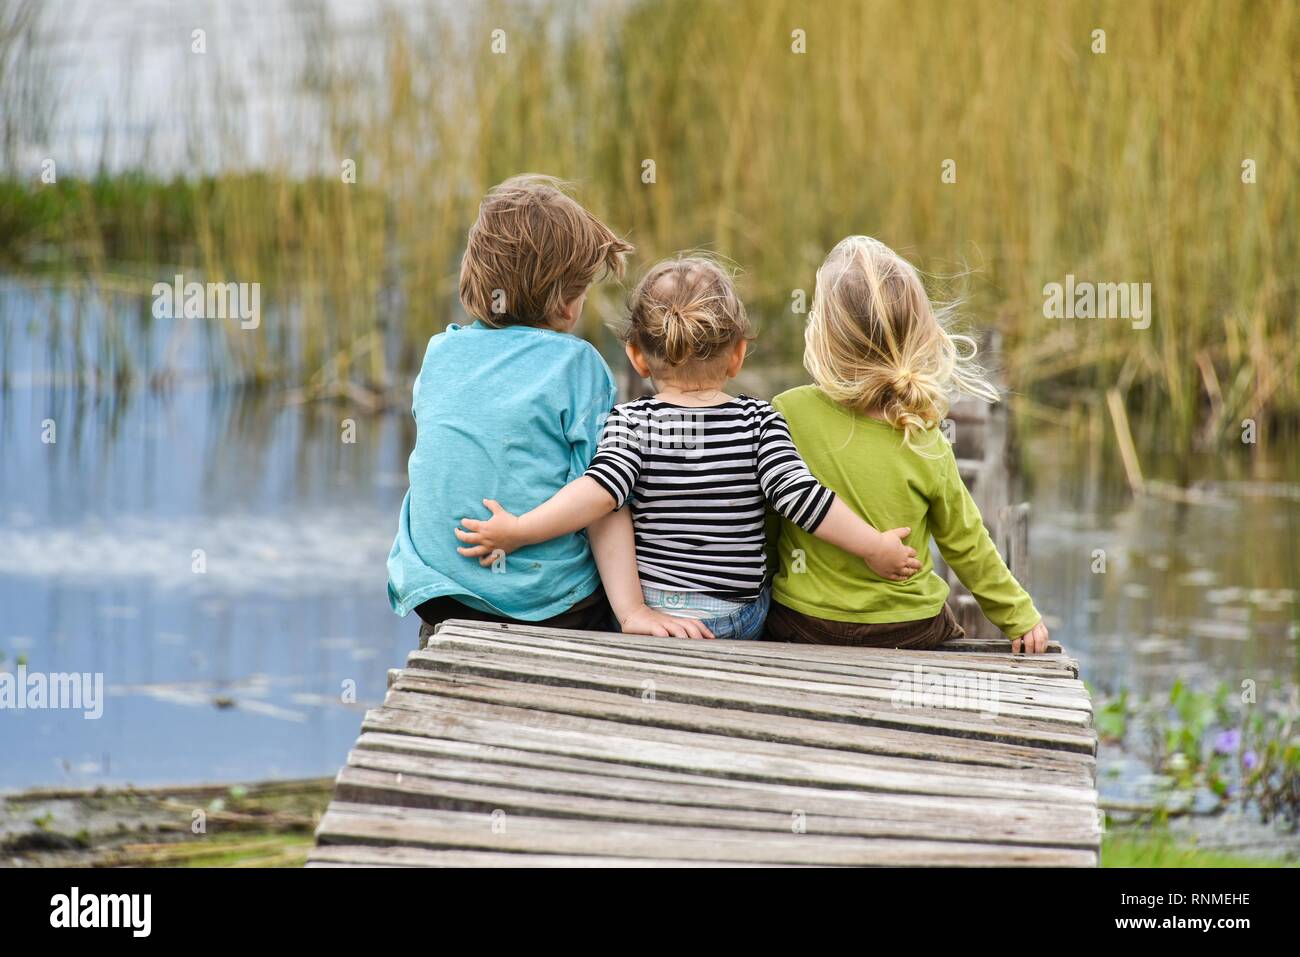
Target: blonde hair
(685, 316)
(875, 342)
(532, 250)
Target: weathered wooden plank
(649, 777)
(1027, 690)
(1054, 664)
(542, 771)
(725, 757)
(833, 711)
(981, 695)
(864, 662)
(459, 649)
(990, 719)
(994, 646)
(422, 745)
(384, 778)
(572, 704)
(487, 723)
(567, 725)
(861, 661)
(970, 470)
(378, 855)
(350, 824)
(685, 688)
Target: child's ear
(637, 358)
(573, 308)
(737, 358)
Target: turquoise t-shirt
(512, 414)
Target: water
(233, 667)
(260, 663)
(1145, 591)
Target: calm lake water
(240, 671)
(237, 672)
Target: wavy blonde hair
(877, 344)
(686, 317)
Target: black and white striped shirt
(699, 480)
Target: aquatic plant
(1220, 745)
(1167, 154)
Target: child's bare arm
(883, 551)
(575, 506)
(614, 546)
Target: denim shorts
(746, 623)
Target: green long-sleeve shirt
(864, 461)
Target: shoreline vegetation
(264, 824)
(1222, 791)
(700, 125)
(271, 823)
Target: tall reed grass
(1116, 166)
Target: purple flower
(1227, 742)
(1248, 760)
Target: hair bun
(686, 310)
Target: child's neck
(699, 396)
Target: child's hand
(646, 621)
(891, 559)
(498, 535)
(1035, 640)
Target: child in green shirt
(883, 365)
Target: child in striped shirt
(699, 467)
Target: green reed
(1123, 166)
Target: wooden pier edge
(502, 745)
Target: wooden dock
(526, 746)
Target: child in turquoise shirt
(514, 404)
(516, 411)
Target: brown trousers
(590, 614)
(786, 624)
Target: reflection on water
(1146, 591)
(219, 558)
(240, 669)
